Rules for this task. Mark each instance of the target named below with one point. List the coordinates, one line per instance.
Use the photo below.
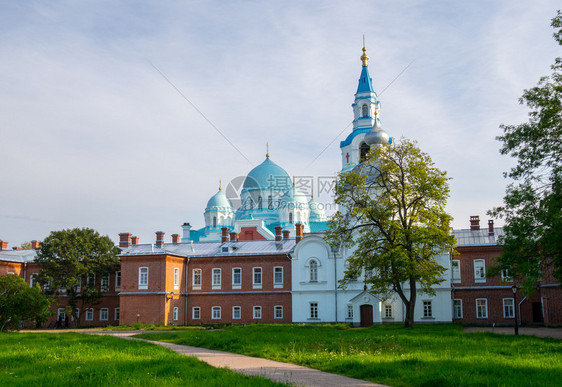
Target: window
(104, 314)
(388, 310)
(216, 278)
(236, 312)
(214, 221)
(290, 217)
(216, 312)
(270, 202)
(62, 289)
(479, 270)
(278, 311)
(33, 279)
(313, 310)
(363, 151)
(481, 308)
(196, 313)
(427, 311)
(61, 315)
(175, 314)
(508, 310)
(76, 313)
(78, 287)
(176, 278)
(313, 270)
(260, 205)
(457, 308)
(143, 277)
(117, 280)
(236, 278)
(257, 312)
(90, 314)
(47, 285)
(196, 279)
(90, 280)
(365, 111)
(349, 312)
(257, 277)
(278, 277)
(104, 286)
(506, 276)
(456, 271)
(116, 314)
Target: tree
(392, 211)
(20, 303)
(26, 245)
(68, 257)
(532, 206)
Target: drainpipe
(336, 284)
(519, 307)
(186, 282)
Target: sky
(115, 115)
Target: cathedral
(263, 259)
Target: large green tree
(392, 213)
(19, 303)
(68, 257)
(532, 206)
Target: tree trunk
(410, 306)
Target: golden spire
(220, 185)
(364, 57)
(267, 150)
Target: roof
(20, 256)
(267, 175)
(467, 237)
(219, 201)
(213, 249)
(365, 81)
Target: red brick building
(480, 300)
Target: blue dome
(267, 175)
(316, 211)
(219, 200)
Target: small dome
(219, 201)
(316, 211)
(376, 135)
(295, 198)
(267, 175)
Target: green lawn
(73, 359)
(427, 355)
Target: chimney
(278, 233)
(175, 238)
(299, 228)
(124, 239)
(224, 237)
(490, 228)
(474, 223)
(234, 236)
(186, 227)
(286, 234)
(159, 238)
(35, 245)
(3, 245)
(134, 240)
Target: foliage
(394, 216)
(72, 359)
(426, 355)
(19, 303)
(26, 245)
(532, 205)
(68, 256)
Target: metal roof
(19, 256)
(213, 249)
(467, 237)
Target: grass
(73, 359)
(427, 355)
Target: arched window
(365, 111)
(290, 217)
(270, 202)
(313, 271)
(214, 221)
(363, 150)
(259, 203)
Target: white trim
(239, 284)
(479, 270)
(485, 306)
(257, 312)
(198, 310)
(512, 306)
(276, 284)
(457, 315)
(216, 284)
(102, 311)
(239, 312)
(216, 309)
(89, 314)
(175, 313)
(275, 309)
(143, 279)
(257, 285)
(176, 278)
(116, 313)
(193, 277)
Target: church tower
(366, 108)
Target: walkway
(555, 333)
(274, 370)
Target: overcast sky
(94, 135)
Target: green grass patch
(426, 355)
(153, 327)
(73, 359)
